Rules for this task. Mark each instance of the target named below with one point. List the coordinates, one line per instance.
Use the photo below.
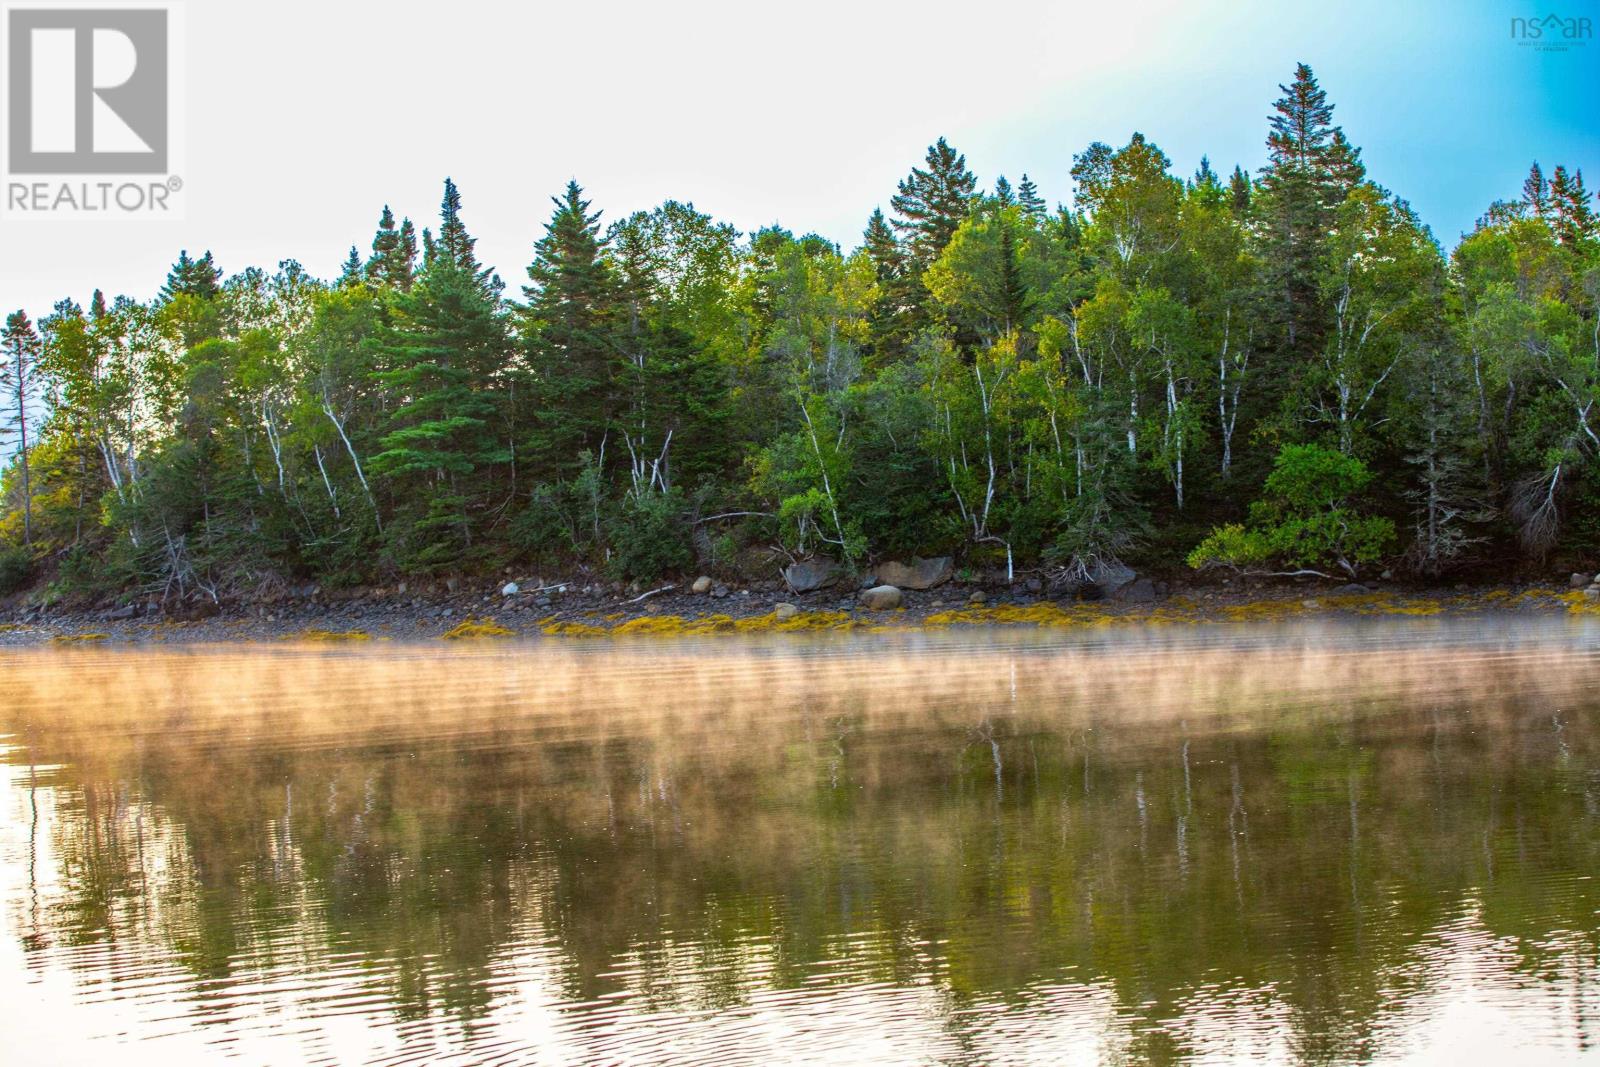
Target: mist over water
(1331, 844)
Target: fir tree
(19, 359)
(1311, 168)
(570, 321)
(457, 245)
(931, 203)
(394, 252)
(889, 323)
(1536, 192)
(1239, 189)
(1572, 217)
(1002, 191)
(441, 352)
(1029, 200)
(406, 256)
(192, 277)
(352, 271)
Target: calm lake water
(1328, 845)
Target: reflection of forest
(1172, 827)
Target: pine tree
(1311, 168)
(1014, 296)
(457, 245)
(1239, 189)
(1204, 175)
(1029, 200)
(440, 353)
(352, 271)
(570, 323)
(406, 257)
(932, 203)
(890, 323)
(19, 358)
(192, 277)
(1573, 218)
(1002, 191)
(1536, 192)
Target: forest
(1278, 372)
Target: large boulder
(881, 598)
(920, 574)
(1138, 591)
(784, 610)
(1578, 581)
(702, 584)
(810, 574)
(1105, 580)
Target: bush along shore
(1190, 372)
(457, 611)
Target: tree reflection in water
(954, 852)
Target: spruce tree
(440, 353)
(406, 257)
(932, 203)
(1536, 192)
(1572, 217)
(352, 272)
(1029, 200)
(460, 247)
(192, 277)
(889, 323)
(1310, 170)
(1002, 191)
(19, 359)
(394, 252)
(1239, 189)
(569, 326)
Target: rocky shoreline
(456, 609)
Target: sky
(303, 119)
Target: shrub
(648, 536)
(1305, 517)
(16, 564)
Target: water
(1374, 844)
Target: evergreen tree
(352, 271)
(1002, 191)
(931, 203)
(1572, 217)
(1311, 167)
(890, 323)
(457, 245)
(406, 257)
(1536, 192)
(19, 359)
(1239, 189)
(569, 327)
(440, 353)
(1029, 200)
(192, 277)
(394, 251)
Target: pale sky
(304, 119)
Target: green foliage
(648, 536)
(16, 564)
(981, 377)
(1305, 517)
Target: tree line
(1279, 371)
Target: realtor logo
(90, 94)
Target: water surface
(1314, 844)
